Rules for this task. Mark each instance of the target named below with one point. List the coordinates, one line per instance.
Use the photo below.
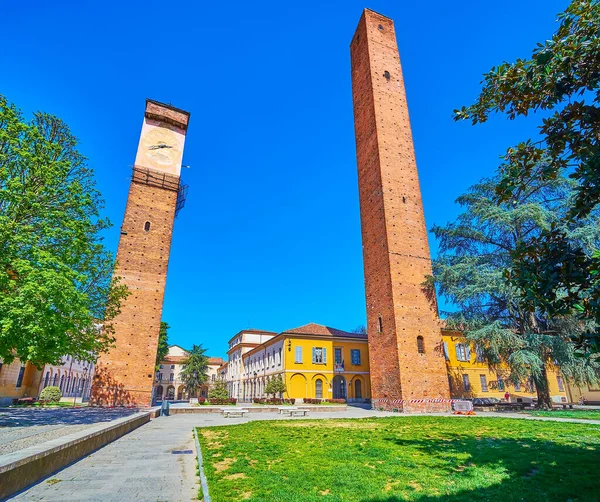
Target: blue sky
(270, 235)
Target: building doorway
(339, 387)
(357, 389)
(319, 389)
(170, 393)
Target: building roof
(252, 330)
(212, 361)
(320, 330)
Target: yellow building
(315, 361)
(18, 380)
(470, 376)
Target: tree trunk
(543, 389)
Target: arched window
(55, 380)
(319, 389)
(62, 381)
(47, 379)
(420, 345)
(147, 226)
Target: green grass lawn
(584, 414)
(404, 458)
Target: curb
(203, 480)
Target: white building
(239, 345)
(168, 383)
(73, 377)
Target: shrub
(218, 390)
(309, 400)
(219, 401)
(272, 400)
(51, 394)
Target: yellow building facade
(315, 361)
(18, 380)
(470, 376)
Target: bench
(510, 406)
(292, 411)
(564, 406)
(234, 412)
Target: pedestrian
(507, 396)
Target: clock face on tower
(160, 147)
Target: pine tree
(472, 272)
(195, 373)
(561, 78)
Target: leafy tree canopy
(560, 79)
(476, 251)
(163, 343)
(56, 286)
(195, 373)
(219, 390)
(276, 386)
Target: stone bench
(292, 411)
(234, 412)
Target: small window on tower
(380, 27)
(420, 345)
(379, 324)
(387, 75)
(147, 226)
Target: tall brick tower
(124, 375)
(405, 343)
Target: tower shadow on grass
(532, 470)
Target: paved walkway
(24, 427)
(141, 466)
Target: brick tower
(405, 342)
(125, 374)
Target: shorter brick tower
(125, 374)
(407, 366)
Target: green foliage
(56, 285)
(195, 372)
(562, 80)
(218, 390)
(476, 253)
(276, 386)
(51, 394)
(163, 343)
(390, 459)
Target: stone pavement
(24, 427)
(140, 466)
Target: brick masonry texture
(395, 248)
(124, 375)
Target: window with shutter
(483, 380)
(298, 354)
(466, 383)
(446, 353)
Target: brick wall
(124, 375)
(395, 248)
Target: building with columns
(168, 383)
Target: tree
(362, 329)
(56, 285)
(276, 386)
(195, 372)
(219, 390)
(475, 253)
(163, 343)
(562, 76)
